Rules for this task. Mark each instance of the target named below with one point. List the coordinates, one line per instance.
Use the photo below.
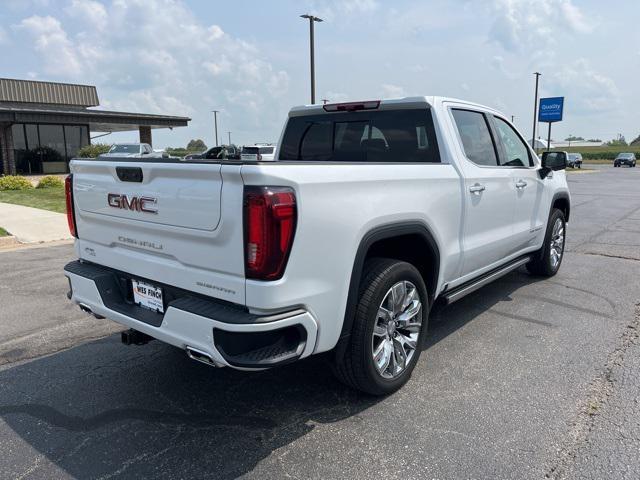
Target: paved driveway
(522, 379)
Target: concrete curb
(8, 241)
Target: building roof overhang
(98, 120)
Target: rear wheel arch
(407, 241)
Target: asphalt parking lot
(525, 378)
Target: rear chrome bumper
(230, 335)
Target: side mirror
(554, 160)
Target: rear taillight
(270, 215)
(68, 193)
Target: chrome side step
(466, 288)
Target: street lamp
(215, 122)
(229, 133)
(535, 109)
(312, 19)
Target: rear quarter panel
(337, 205)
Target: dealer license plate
(147, 296)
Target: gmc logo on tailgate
(136, 204)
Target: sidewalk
(32, 225)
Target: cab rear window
(370, 136)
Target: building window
(75, 137)
(47, 148)
(19, 142)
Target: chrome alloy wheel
(396, 331)
(557, 243)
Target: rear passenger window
(476, 137)
(516, 151)
(369, 136)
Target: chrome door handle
(476, 188)
(521, 184)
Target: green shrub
(50, 181)
(15, 182)
(92, 151)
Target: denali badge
(137, 204)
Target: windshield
(625, 155)
(573, 156)
(125, 149)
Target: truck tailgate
(173, 222)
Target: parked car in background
(193, 155)
(258, 152)
(128, 150)
(628, 159)
(574, 160)
(222, 152)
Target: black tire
(579, 165)
(356, 367)
(542, 263)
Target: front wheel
(547, 260)
(389, 325)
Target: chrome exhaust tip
(87, 309)
(202, 357)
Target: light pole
(229, 133)
(215, 123)
(312, 19)
(535, 111)
(325, 101)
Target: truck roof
(390, 103)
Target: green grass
(44, 198)
(3, 232)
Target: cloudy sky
(249, 58)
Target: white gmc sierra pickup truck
(369, 213)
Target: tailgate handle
(129, 174)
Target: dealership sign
(550, 109)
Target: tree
(618, 142)
(93, 150)
(595, 140)
(636, 141)
(572, 138)
(196, 146)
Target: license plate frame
(148, 295)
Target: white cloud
(590, 91)
(53, 44)
(524, 25)
(215, 32)
(338, 9)
(4, 38)
(392, 91)
(90, 11)
(157, 56)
